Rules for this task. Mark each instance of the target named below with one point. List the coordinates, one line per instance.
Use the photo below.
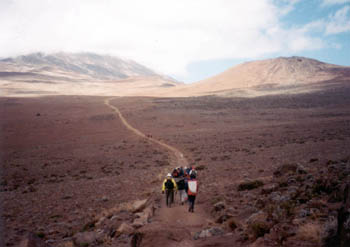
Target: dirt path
(180, 159)
(176, 217)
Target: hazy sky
(187, 39)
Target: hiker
(181, 188)
(175, 173)
(181, 171)
(192, 189)
(193, 171)
(188, 170)
(169, 186)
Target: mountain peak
(86, 63)
(280, 71)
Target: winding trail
(176, 217)
(181, 160)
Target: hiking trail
(177, 216)
(181, 160)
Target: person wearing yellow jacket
(169, 186)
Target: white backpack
(192, 187)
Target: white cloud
(339, 22)
(164, 35)
(333, 2)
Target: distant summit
(89, 64)
(79, 74)
(281, 71)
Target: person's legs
(171, 196)
(190, 202)
(181, 194)
(193, 200)
(167, 194)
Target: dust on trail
(177, 215)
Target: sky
(189, 40)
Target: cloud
(339, 22)
(333, 2)
(164, 35)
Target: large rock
(142, 218)
(219, 206)
(87, 238)
(66, 244)
(206, 233)
(138, 206)
(258, 224)
(140, 222)
(260, 216)
(124, 228)
(224, 217)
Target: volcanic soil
(67, 159)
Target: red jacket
(192, 187)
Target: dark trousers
(169, 197)
(191, 200)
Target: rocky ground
(272, 170)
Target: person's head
(193, 168)
(168, 175)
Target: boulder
(258, 224)
(149, 212)
(139, 222)
(224, 217)
(257, 217)
(66, 244)
(269, 188)
(124, 228)
(219, 206)
(100, 221)
(138, 206)
(87, 238)
(206, 233)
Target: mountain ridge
(84, 63)
(93, 74)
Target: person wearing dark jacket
(169, 186)
(181, 189)
(192, 190)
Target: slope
(278, 72)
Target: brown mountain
(271, 73)
(78, 74)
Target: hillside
(90, 64)
(78, 74)
(92, 74)
(270, 73)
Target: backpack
(169, 185)
(192, 187)
(193, 174)
(181, 184)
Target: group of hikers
(182, 180)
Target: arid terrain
(271, 169)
